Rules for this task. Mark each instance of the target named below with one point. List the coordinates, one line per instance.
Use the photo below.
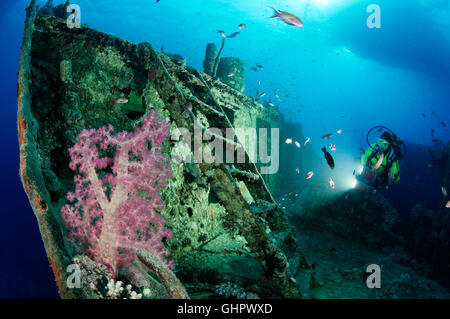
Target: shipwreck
(230, 237)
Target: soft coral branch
(115, 213)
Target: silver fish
(120, 100)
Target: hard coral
(113, 209)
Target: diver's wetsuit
(389, 168)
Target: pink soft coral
(113, 210)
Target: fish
(328, 157)
(222, 33)
(327, 136)
(262, 94)
(444, 191)
(287, 18)
(231, 74)
(188, 108)
(307, 141)
(254, 69)
(120, 100)
(289, 141)
(233, 35)
(259, 82)
(379, 162)
(259, 66)
(309, 175)
(423, 114)
(448, 204)
(242, 26)
(270, 104)
(339, 131)
(297, 170)
(354, 172)
(443, 124)
(331, 182)
(151, 74)
(332, 147)
(297, 144)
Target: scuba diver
(381, 160)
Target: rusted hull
(30, 171)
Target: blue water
(334, 73)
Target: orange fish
(287, 18)
(289, 141)
(448, 204)
(297, 170)
(339, 131)
(331, 182)
(297, 144)
(309, 175)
